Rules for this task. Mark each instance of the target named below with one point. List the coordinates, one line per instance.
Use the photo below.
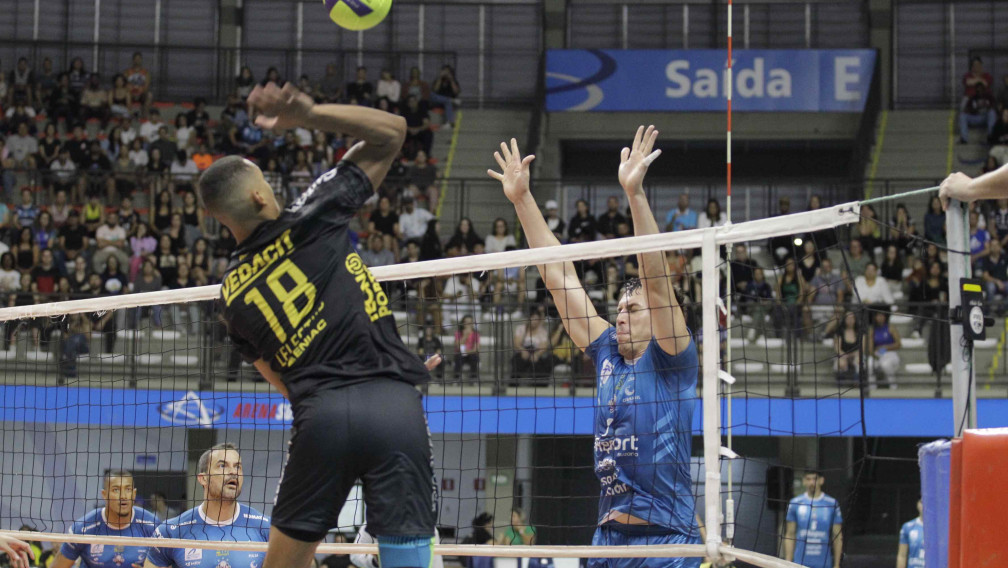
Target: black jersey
(297, 295)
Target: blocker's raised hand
(514, 174)
(279, 109)
(18, 552)
(634, 161)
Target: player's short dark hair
(815, 472)
(115, 473)
(204, 461)
(631, 286)
(216, 185)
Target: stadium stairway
(912, 146)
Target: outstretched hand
(634, 161)
(432, 362)
(17, 551)
(514, 174)
(279, 109)
(956, 186)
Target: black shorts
(374, 431)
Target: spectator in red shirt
(978, 110)
(46, 274)
(976, 76)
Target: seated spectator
(871, 289)
(20, 114)
(185, 135)
(827, 287)
(422, 176)
(389, 88)
(458, 298)
(26, 212)
(49, 147)
(94, 215)
(138, 79)
(97, 171)
(46, 274)
(903, 232)
(202, 157)
(165, 144)
(792, 291)
(272, 76)
(582, 226)
(192, 218)
(995, 272)
(330, 87)
(111, 241)
(182, 280)
(519, 531)
(934, 221)
(532, 354)
(869, 230)
(183, 172)
(508, 287)
(142, 245)
(857, 259)
(978, 110)
(979, 239)
(847, 346)
(998, 139)
(119, 97)
(419, 135)
(45, 231)
(376, 254)
(430, 345)
(500, 239)
(413, 220)
(244, 83)
(64, 177)
(199, 258)
(177, 232)
(23, 148)
(553, 220)
(124, 176)
(165, 259)
(444, 93)
(883, 346)
(360, 91)
(80, 276)
(465, 237)
(26, 251)
(10, 277)
(711, 215)
(148, 280)
(608, 221)
(78, 76)
(199, 120)
(62, 104)
(742, 268)
(976, 76)
(157, 169)
(72, 237)
(45, 83)
(682, 217)
(78, 145)
(892, 265)
(94, 101)
(430, 242)
(809, 262)
(150, 129)
(128, 216)
(21, 84)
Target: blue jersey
(814, 520)
(248, 525)
(643, 433)
(912, 535)
(104, 555)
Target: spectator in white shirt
(413, 220)
(23, 147)
(711, 216)
(500, 239)
(388, 88)
(149, 129)
(183, 171)
(871, 289)
(111, 239)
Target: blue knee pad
(405, 551)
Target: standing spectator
(413, 220)
(164, 142)
(994, 268)
(360, 91)
(553, 220)
(500, 239)
(94, 101)
(682, 217)
(910, 553)
(792, 292)
(445, 91)
(417, 87)
(244, 82)
(608, 221)
(999, 220)
(23, 148)
(138, 78)
(422, 176)
(330, 87)
(7, 173)
(46, 83)
(419, 135)
(192, 218)
(389, 88)
(191, 310)
(809, 262)
(582, 226)
(871, 289)
(111, 241)
(120, 98)
(21, 84)
(10, 278)
(979, 238)
(977, 110)
(712, 215)
(72, 237)
(161, 212)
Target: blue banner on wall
(481, 415)
(764, 80)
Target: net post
(963, 378)
(711, 402)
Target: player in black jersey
(302, 306)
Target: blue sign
(764, 80)
(483, 415)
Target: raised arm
(576, 310)
(381, 134)
(666, 315)
(991, 185)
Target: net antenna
(729, 505)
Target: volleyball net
(146, 382)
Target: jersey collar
(105, 519)
(212, 522)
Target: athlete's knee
(405, 551)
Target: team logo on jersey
(803, 510)
(606, 372)
(190, 411)
(223, 564)
(118, 559)
(629, 390)
(97, 549)
(193, 554)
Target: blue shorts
(607, 535)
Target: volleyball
(358, 14)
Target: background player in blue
(219, 518)
(647, 372)
(302, 306)
(813, 534)
(911, 542)
(117, 518)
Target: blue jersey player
(647, 372)
(119, 517)
(813, 537)
(911, 542)
(220, 518)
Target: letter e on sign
(843, 77)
